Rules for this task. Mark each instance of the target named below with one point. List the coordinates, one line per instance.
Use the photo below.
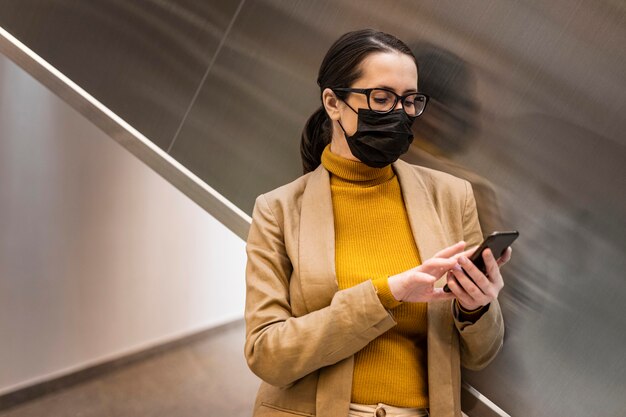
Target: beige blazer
(302, 332)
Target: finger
(491, 264)
(421, 277)
(459, 292)
(467, 253)
(449, 277)
(454, 286)
(476, 274)
(450, 250)
(436, 266)
(494, 271)
(475, 293)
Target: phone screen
(497, 242)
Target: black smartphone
(497, 242)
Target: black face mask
(380, 139)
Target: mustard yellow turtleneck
(373, 240)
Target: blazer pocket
(277, 411)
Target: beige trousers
(384, 410)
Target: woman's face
(392, 70)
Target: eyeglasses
(382, 100)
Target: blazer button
(380, 412)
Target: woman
(345, 314)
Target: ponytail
(315, 136)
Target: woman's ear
(331, 104)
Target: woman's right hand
(418, 284)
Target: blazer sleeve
(482, 340)
(281, 348)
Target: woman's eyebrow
(410, 90)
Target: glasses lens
(414, 104)
(382, 100)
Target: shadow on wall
(564, 188)
(448, 127)
(450, 124)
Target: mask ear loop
(345, 134)
(349, 106)
(340, 125)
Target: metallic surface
(127, 136)
(142, 59)
(529, 102)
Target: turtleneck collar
(355, 172)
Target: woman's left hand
(485, 288)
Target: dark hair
(341, 68)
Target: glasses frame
(368, 91)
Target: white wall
(99, 256)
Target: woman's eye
(381, 100)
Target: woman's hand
(418, 284)
(485, 288)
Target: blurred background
(100, 257)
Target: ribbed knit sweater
(373, 240)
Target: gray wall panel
(260, 91)
(253, 104)
(142, 59)
(545, 132)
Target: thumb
(437, 266)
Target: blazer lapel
(429, 236)
(316, 251)
(316, 269)
(425, 224)
(316, 244)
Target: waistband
(384, 410)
